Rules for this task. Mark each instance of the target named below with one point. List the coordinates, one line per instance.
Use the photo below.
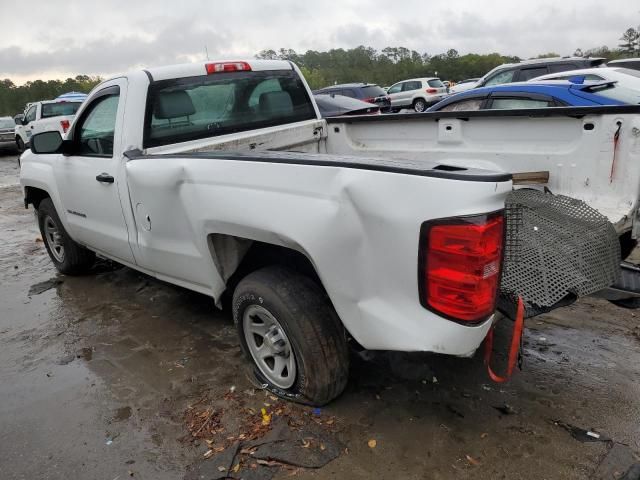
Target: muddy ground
(96, 374)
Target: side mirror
(19, 119)
(46, 142)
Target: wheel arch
(236, 257)
(34, 195)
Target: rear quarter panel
(360, 229)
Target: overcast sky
(55, 38)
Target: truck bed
(405, 166)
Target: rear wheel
(292, 336)
(68, 257)
(419, 105)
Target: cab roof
(200, 68)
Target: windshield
(7, 123)
(616, 92)
(183, 109)
(373, 91)
(59, 108)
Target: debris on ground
(619, 463)
(204, 422)
(266, 440)
(372, 443)
(581, 434)
(472, 460)
(506, 409)
(42, 287)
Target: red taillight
(369, 100)
(460, 261)
(65, 125)
(220, 67)
(431, 90)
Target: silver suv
(416, 93)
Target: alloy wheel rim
(53, 238)
(269, 346)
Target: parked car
(366, 92)
(528, 69)
(625, 77)
(43, 117)
(542, 94)
(7, 128)
(633, 63)
(385, 229)
(336, 105)
(464, 85)
(416, 93)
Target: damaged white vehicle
(388, 231)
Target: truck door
(26, 129)
(89, 178)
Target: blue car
(574, 92)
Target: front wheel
(291, 334)
(419, 105)
(68, 257)
(19, 144)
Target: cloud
(172, 44)
(116, 35)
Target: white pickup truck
(45, 116)
(382, 230)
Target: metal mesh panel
(556, 249)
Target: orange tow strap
(514, 351)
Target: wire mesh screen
(557, 248)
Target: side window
(31, 114)
(500, 77)
(409, 86)
(95, 133)
(395, 88)
(561, 67)
(347, 92)
(515, 103)
(463, 105)
(529, 73)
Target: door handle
(104, 178)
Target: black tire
(75, 259)
(419, 105)
(316, 335)
(19, 144)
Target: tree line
(392, 64)
(360, 64)
(13, 98)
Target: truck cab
(45, 116)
